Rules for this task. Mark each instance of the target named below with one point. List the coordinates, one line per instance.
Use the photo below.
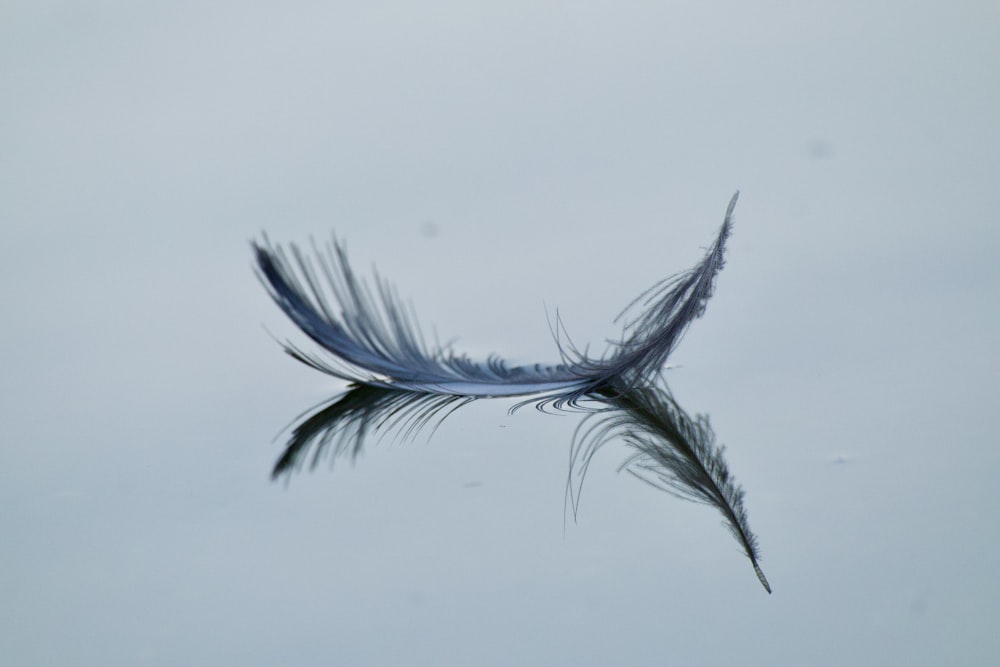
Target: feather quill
(369, 336)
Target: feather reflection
(671, 450)
(340, 427)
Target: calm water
(499, 165)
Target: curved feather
(370, 337)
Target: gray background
(499, 161)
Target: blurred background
(499, 161)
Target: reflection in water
(672, 451)
(371, 339)
(339, 427)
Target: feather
(672, 451)
(368, 336)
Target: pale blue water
(498, 164)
